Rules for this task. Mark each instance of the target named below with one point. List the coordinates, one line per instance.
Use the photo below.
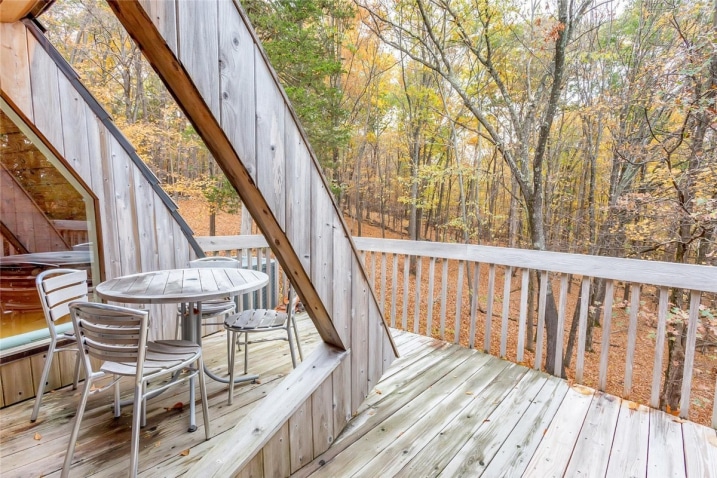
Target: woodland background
(564, 125)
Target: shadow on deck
(439, 410)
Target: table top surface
(181, 285)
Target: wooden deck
(442, 410)
(439, 410)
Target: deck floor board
(440, 410)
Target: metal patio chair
(117, 338)
(253, 321)
(57, 288)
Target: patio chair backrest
(57, 288)
(111, 333)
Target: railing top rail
(667, 274)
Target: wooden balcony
(441, 409)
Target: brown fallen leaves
(177, 406)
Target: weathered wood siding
(215, 67)
(133, 218)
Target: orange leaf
(177, 406)
(184, 452)
(37, 436)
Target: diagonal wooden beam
(178, 81)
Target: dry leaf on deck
(177, 406)
(184, 452)
(37, 436)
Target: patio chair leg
(43, 379)
(246, 353)
(76, 428)
(203, 393)
(291, 344)
(296, 336)
(232, 357)
(77, 371)
(136, 420)
(117, 405)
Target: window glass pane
(46, 222)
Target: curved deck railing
(462, 293)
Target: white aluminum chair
(117, 338)
(57, 288)
(253, 321)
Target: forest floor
(196, 212)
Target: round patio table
(185, 286)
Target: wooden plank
(592, 450)
(74, 130)
(405, 435)
(359, 339)
(665, 437)
(520, 446)
(605, 343)
(684, 276)
(700, 446)
(382, 301)
(406, 295)
(37, 362)
(236, 82)
(270, 142)
(525, 278)
(442, 447)
(459, 304)
(322, 418)
(15, 66)
(631, 338)
(17, 381)
(474, 304)
(482, 446)
(659, 347)
(542, 297)
(628, 456)
(197, 25)
(225, 243)
(444, 299)
(164, 16)
(341, 378)
(394, 289)
(507, 275)
(431, 287)
(489, 308)
(322, 240)
(276, 455)
(254, 469)
(238, 446)
(45, 94)
(342, 280)
(690, 343)
(553, 454)
(301, 449)
(385, 404)
(562, 312)
(582, 328)
(143, 197)
(380, 438)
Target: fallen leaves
(184, 452)
(37, 436)
(583, 389)
(177, 406)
